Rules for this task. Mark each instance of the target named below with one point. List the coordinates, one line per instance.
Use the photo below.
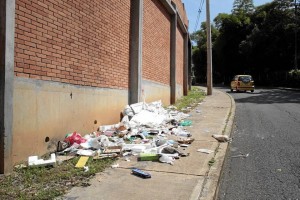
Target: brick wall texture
(87, 42)
(156, 42)
(182, 12)
(74, 41)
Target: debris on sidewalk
(185, 140)
(115, 166)
(167, 159)
(222, 138)
(144, 131)
(34, 161)
(186, 123)
(148, 157)
(86, 168)
(207, 151)
(140, 173)
(82, 161)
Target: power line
(199, 13)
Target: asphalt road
(267, 128)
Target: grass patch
(211, 162)
(195, 95)
(49, 182)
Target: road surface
(263, 161)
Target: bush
(294, 78)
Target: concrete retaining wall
(73, 66)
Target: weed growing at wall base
(195, 95)
(49, 182)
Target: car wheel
(252, 91)
(231, 90)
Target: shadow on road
(270, 96)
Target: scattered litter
(185, 140)
(74, 138)
(126, 154)
(167, 159)
(198, 111)
(140, 173)
(127, 159)
(86, 168)
(82, 161)
(184, 145)
(115, 166)
(111, 155)
(172, 107)
(207, 151)
(241, 155)
(145, 131)
(186, 123)
(34, 161)
(21, 166)
(169, 151)
(61, 145)
(86, 152)
(113, 149)
(148, 157)
(221, 138)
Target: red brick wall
(181, 10)
(74, 41)
(156, 42)
(179, 55)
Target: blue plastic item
(140, 173)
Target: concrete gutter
(210, 188)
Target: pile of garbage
(144, 131)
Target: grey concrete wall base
(46, 109)
(154, 91)
(210, 187)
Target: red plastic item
(75, 138)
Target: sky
(216, 7)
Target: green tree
(243, 6)
(259, 41)
(233, 29)
(200, 51)
(270, 45)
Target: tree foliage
(255, 40)
(200, 51)
(242, 6)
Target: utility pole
(209, 51)
(296, 38)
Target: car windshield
(245, 78)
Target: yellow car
(242, 83)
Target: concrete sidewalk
(189, 178)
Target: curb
(211, 183)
